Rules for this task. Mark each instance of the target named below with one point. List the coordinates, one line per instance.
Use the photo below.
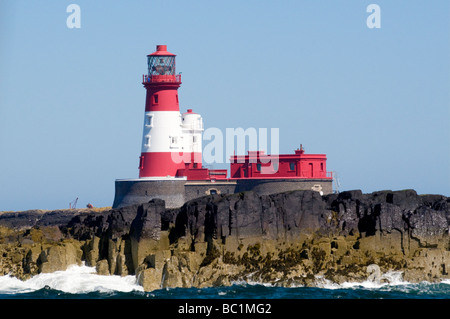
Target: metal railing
(306, 174)
(173, 78)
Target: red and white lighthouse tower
(171, 141)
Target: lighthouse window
(173, 141)
(155, 97)
(292, 166)
(147, 140)
(258, 167)
(141, 162)
(149, 120)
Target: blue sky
(376, 101)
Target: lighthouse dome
(192, 121)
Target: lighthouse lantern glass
(161, 65)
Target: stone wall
(196, 189)
(273, 186)
(138, 191)
(176, 192)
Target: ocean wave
(83, 280)
(75, 280)
(391, 278)
(389, 281)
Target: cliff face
(287, 238)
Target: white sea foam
(83, 279)
(391, 278)
(76, 279)
(446, 281)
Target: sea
(80, 282)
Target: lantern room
(161, 62)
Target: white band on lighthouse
(162, 132)
(169, 131)
(169, 142)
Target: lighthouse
(170, 164)
(171, 141)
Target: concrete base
(176, 191)
(138, 191)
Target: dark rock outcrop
(285, 238)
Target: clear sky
(375, 100)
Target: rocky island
(289, 239)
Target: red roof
(161, 50)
